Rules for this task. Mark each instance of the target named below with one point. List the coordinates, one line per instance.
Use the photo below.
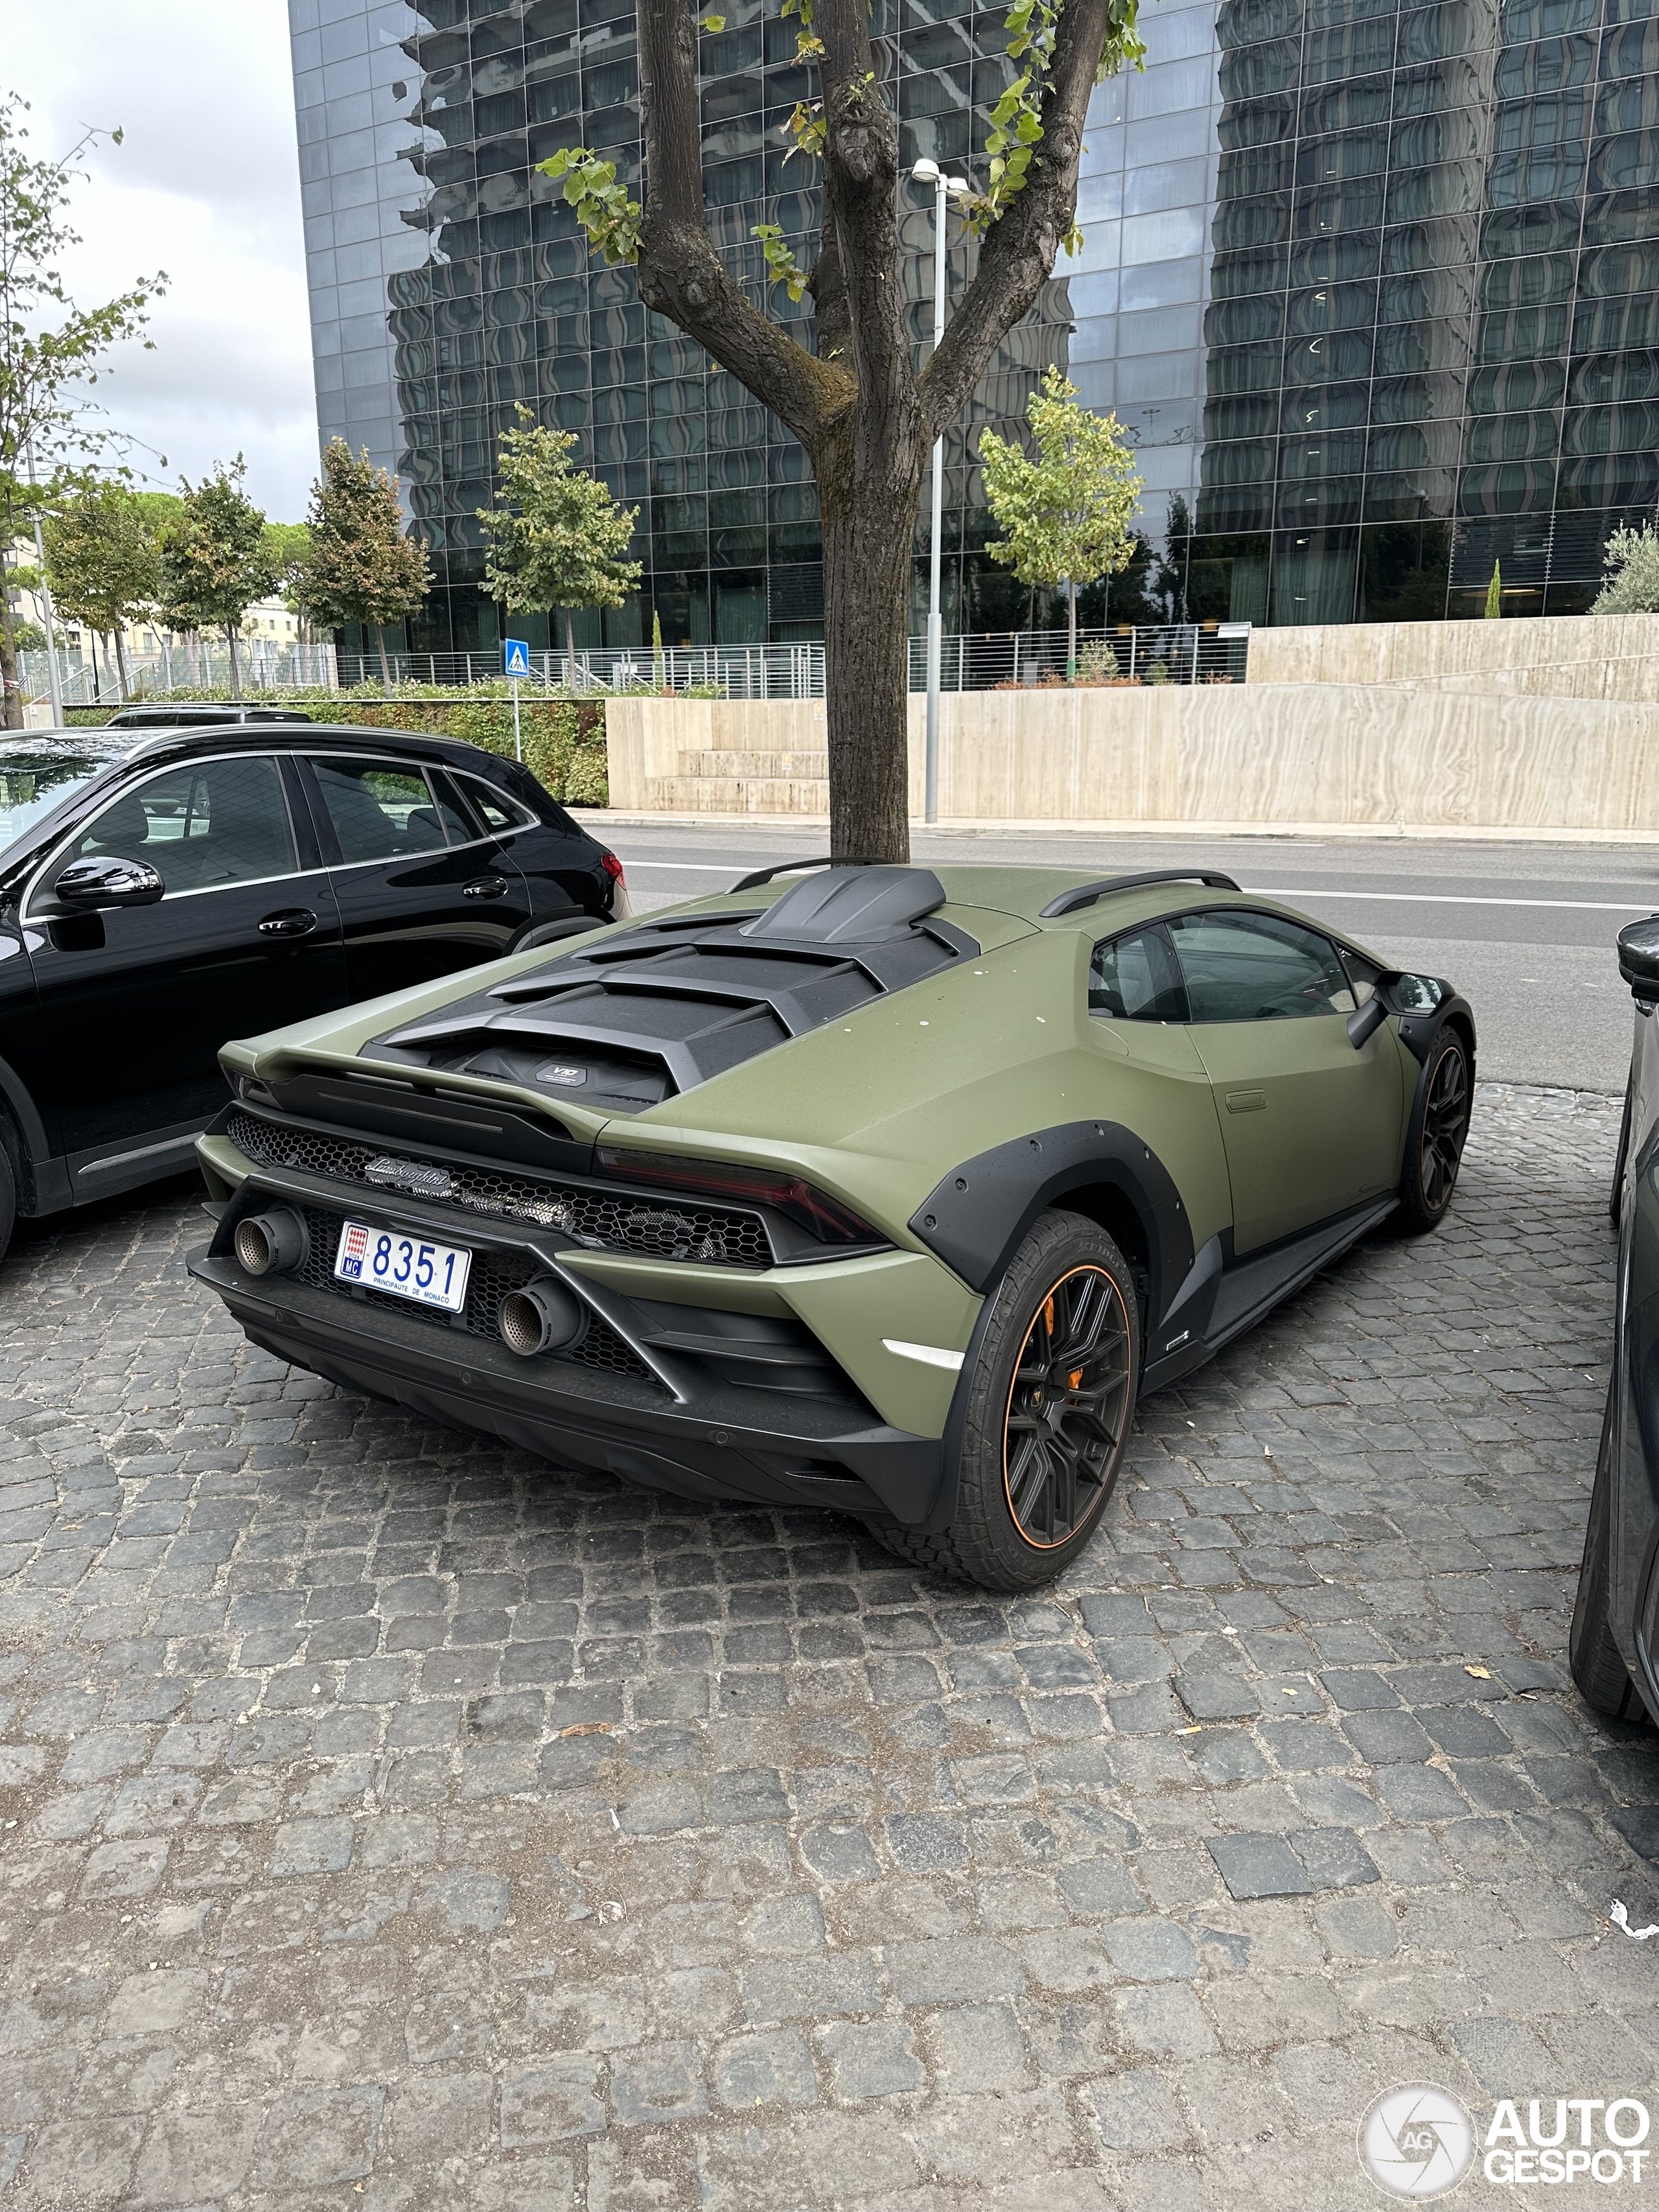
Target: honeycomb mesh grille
(655, 1229)
(493, 1275)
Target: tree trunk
(570, 648)
(235, 674)
(122, 682)
(1070, 630)
(385, 670)
(867, 652)
(10, 675)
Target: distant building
(1371, 286)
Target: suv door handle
(291, 922)
(486, 887)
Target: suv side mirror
(107, 880)
(1638, 958)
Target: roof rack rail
(1086, 894)
(790, 868)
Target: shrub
(1158, 673)
(564, 737)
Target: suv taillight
(613, 868)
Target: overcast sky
(205, 186)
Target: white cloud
(205, 185)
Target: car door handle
(486, 887)
(292, 921)
(1246, 1102)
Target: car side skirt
(1228, 1297)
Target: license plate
(381, 1260)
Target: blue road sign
(515, 655)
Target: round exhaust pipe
(542, 1316)
(273, 1243)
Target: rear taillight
(798, 1200)
(613, 868)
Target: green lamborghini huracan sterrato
(889, 1191)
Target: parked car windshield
(39, 773)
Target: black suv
(159, 895)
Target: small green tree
(216, 561)
(360, 567)
(104, 563)
(1065, 512)
(554, 538)
(1629, 580)
(50, 351)
(1495, 596)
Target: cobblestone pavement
(388, 1821)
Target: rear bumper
(706, 1440)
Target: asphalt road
(1526, 931)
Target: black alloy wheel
(1045, 1410)
(1439, 1129)
(1067, 1407)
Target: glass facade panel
(1512, 383)
(1371, 287)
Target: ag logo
(1417, 2141)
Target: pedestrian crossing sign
(517, 656)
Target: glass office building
(1370, 286)
(449, 284)
(1434, 338)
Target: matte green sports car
(889, 1191)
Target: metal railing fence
(1171, 653)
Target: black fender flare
(976, 1217)
(1419, 1032)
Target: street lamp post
(929, 173)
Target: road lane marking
(1299, 891)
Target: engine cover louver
(657, 1008)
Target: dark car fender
(1419, 1032)
(976, 1217)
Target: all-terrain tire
(1050, 1407)
(1598, 1665)
(1439, 1129)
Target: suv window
(200, 825)
(1135, 978)
(498, 811)
(382, 811)
(1254, 967)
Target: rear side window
(1135, 979)
(1239, 967)
(384, 812)
(498, 811)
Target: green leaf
(712, 22)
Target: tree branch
(680, 275)
(860, 181)
(1018, 254)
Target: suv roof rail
(1086, 894)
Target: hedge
(563, 739)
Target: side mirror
(108, 880)
(1365, 1021)
(1638, 958)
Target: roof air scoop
(851, 906)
